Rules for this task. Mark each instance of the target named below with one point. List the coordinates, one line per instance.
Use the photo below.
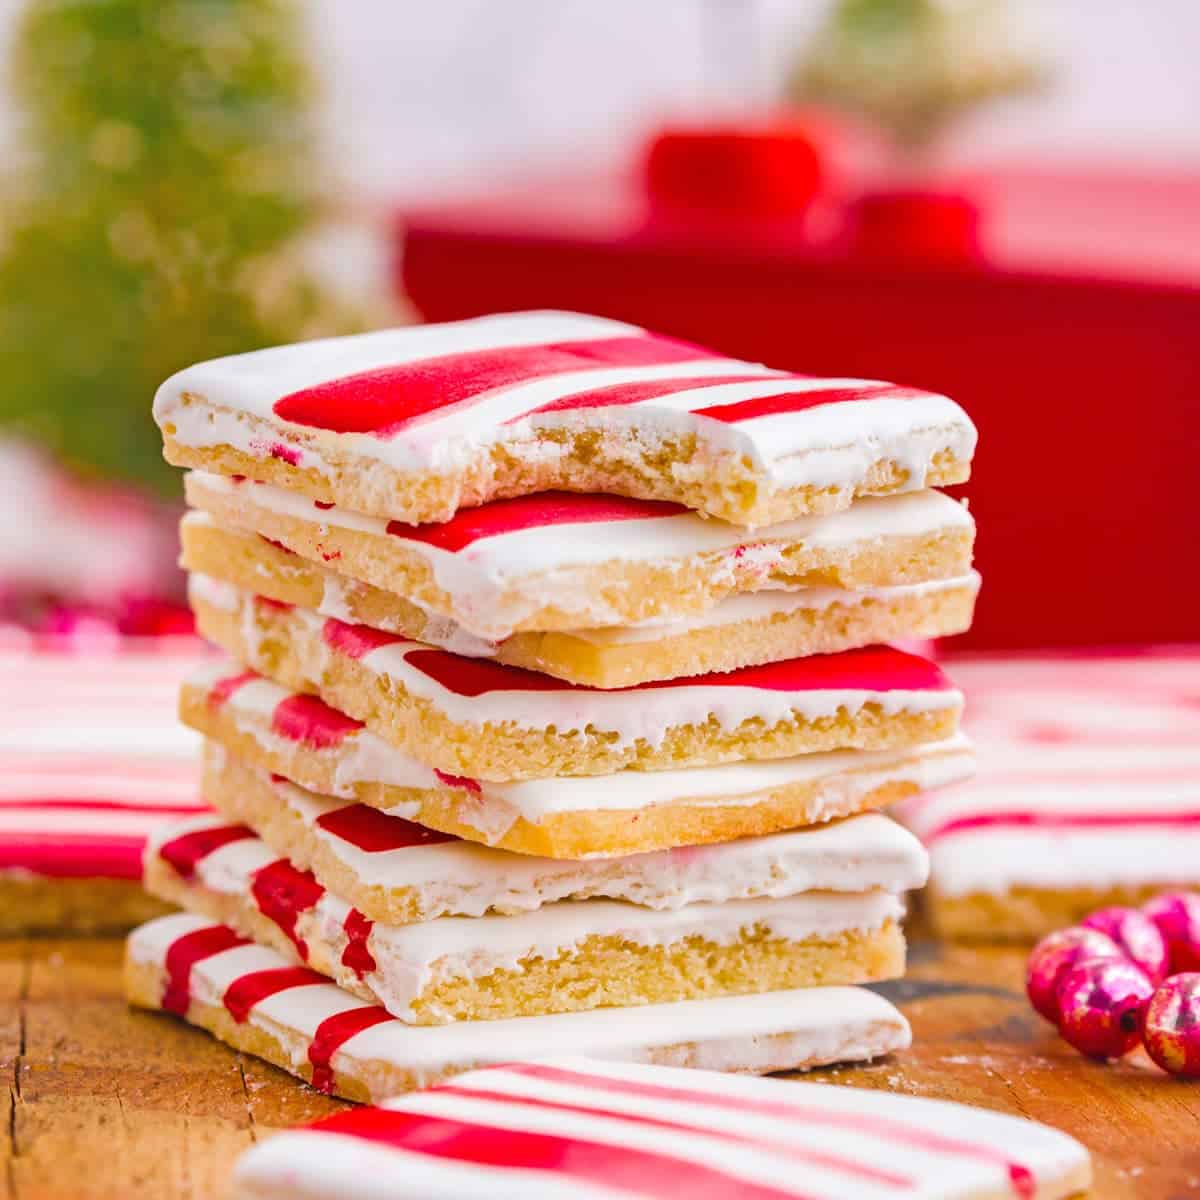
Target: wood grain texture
(101, 1102)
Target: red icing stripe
(386, 400)
(357, 955)
(624, 1168)
(460, 781)
(830, 1162)
(282, 893)
(311, 721)
(872, 668)
(184, 953)
(278, 545)
(791, 402)
(373, 830)
(224, 688)
(248, 990)
(531, 512)
(183, 853)
(332, 1034)
(886, 1128)
(1031, 819)
(73, 855)
(635, 393)
(355, 640)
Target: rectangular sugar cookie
(256, 1001)
(563, 1129)
(295, 737)
(568, 956)
(481, 719)
(1087, 794)
(739, 631)
(415, 423)
(396, 872)
(559, 561)
(91, 761)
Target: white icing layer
(362, 757)
(495, 582)
(644, 714)
(692, 1132)
(828, 445)
(412, 959)
(465, 878)
(769, 1032)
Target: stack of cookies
(557, 701)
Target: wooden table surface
(105, 1102)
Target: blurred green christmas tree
(153, 220)
(912, 67)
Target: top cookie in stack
(580, 667)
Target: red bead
(1177, 915)
(1100, 1004)
(1057, 953)
(1138, 937)
(1171, 1032)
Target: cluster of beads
(1126, 976)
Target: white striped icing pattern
(497, 581)
(767, 1032)
(466, 879)
(823, 446)
(602, 1125)
(364, 757)
(412, 959)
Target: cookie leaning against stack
(563, 768)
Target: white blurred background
(425, 96)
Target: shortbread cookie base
(725, 485)
(287, 646)
(1024, 914)
(595, 971)
(396, 878)
(609, 658)
(35, 904)
(780, 1031)
(619, 591)
(560, 1128)
(845, 784)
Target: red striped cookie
(559, 561)
(91, 762)
(568, 956)
(256, 1001)
(1087, 796)
(414, 423)
(484, 720)
(561, 1129)
(268, 729)
(740, 631)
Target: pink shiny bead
(1055, 954)
(1100, 1006)
(1171, 1027)
(1177, 915)
(1138, 937)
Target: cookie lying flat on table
(1087, 793)
(414, 423)
(396, 872)
(255, 1000)
(91, 762)
(739, 631)
(574, 1127)
(568, 956)
(477, 718)
(259, 733)
(560, 561)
